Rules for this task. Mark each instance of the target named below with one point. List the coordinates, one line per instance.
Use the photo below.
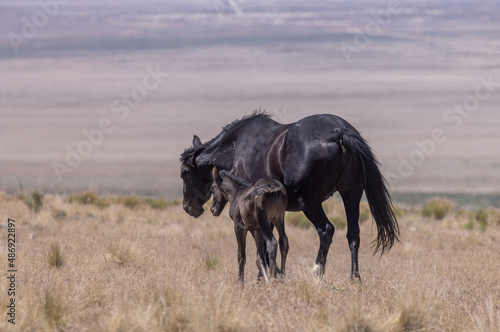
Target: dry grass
(147, 269)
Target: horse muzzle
(193, 212)
(215, 212)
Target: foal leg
(314, 212)
(270, 243)
(261, 245)
(283, 243)
(266, 262)
(276, 267)
(241, 237)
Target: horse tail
(381, 205)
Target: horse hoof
(318, 270)
(261, 278)
(356, 279)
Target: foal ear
(196, 141)
(215, 173)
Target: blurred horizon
(149, 75)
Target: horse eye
(184, 172)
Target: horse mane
(188, 154)
(194, 151)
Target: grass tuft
(54, 310)
(34, 201)
(364, 212)
(159, 203)
(357, 321)
(298, 219)
(437, 208)
(121, 252)
(210, 261)
(333, 208)
(482, 218)
(131, 202)
(155, 203)
(309, 291)
(54, 256)
(89, 198)
(487, 217)
(470, 225)
(339, 222)
(59, 215)
(417, 313)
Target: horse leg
(351, 200)
(352, 213)
(325, 229)
(260, 243)
(283, 243)
(241, 236)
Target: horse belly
(312, 172)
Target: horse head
(197, 180)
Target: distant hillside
(117, 25)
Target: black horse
(313, 157)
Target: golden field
(137, 264)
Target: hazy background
(225, 58)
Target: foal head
(219, 200)
(225, 187)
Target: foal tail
(264, 189)
(379, 199)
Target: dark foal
(255, 208)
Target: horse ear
(196, 141)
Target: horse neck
(219, 151)
(239, 193)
